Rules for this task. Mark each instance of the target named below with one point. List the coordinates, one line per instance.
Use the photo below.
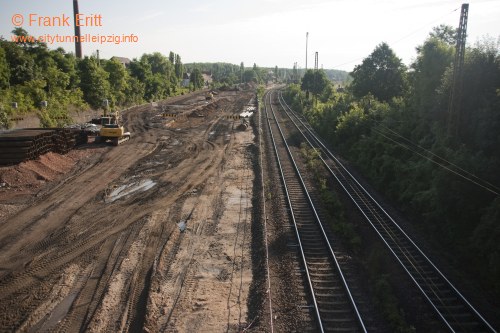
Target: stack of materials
(66, 139)
(26, 144)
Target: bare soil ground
(153, 235)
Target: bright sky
(265, 32)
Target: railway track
(457, 314)
(331, 301)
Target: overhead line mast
(454, 103)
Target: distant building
(185, 80)
(207, 78)
(124, 61)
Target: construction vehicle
(112, 131)
(209, 96)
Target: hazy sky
(266, 32)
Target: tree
(21, 64)
(19, 32)
(56, 81)
(140, 69)
(276, 73)
(459, 216)
(67, 63)
(381, 74)
(480, 102)
(179, 69)
(171, 57)
(295, 73)
(314, 81)
(433, 58)
(222, 73)
(260, 74)
(4, 70)
(118, 80)
(445, 33)
(94, 82)
(196, 79)
(31, 72)
(242, 70)
(156, 88)
(24, 41)
(159, 64)
(134, 91)
(250, 75)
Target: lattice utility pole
(454, 102)
(316, 61)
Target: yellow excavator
(112, 131)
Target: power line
(424, 26)
(402, 38)
(465, 175)
(441, 158)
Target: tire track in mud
(70, 225)
(161, 267)
(39, 269)
(188, 294)
(91, 295)
(121, 302)
(60, 205)
(181, 286)
(91, 279)
(33, 279)
(19, 307)
(133, 318)
(141, 281)
(238, 262)
(135, 303)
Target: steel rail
(264, 216)
(366, 203)
(316, 217)
(318, 316)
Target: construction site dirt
(153, 235)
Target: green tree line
(225, 74)
(393, 124)
(31, 73)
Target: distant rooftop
(125, 61)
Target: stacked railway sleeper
(456, 313)
(27, 144)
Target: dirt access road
(101, 248)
